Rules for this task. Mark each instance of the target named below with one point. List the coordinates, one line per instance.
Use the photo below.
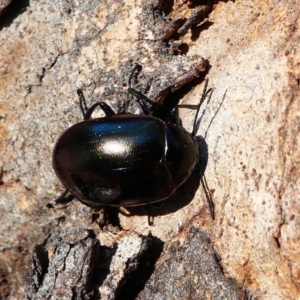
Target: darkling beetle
(126, 159)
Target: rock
(250, 54)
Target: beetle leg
(140, 96)
(63, 198)
(82, 102)
(87, 112)
(142, 100)
(105, 107)
(144, 107)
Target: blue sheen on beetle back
(119, 142)
(132, 141)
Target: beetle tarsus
(63, 198)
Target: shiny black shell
(124, 160)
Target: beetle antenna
(208, 197)
(205, 93)
(208, 94)
(212, 119)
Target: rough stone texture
(75, 266)
(69, 272)
(189, 269)
(51, 48)
(254, 142)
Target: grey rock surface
(250, 50)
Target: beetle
(126, 159)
